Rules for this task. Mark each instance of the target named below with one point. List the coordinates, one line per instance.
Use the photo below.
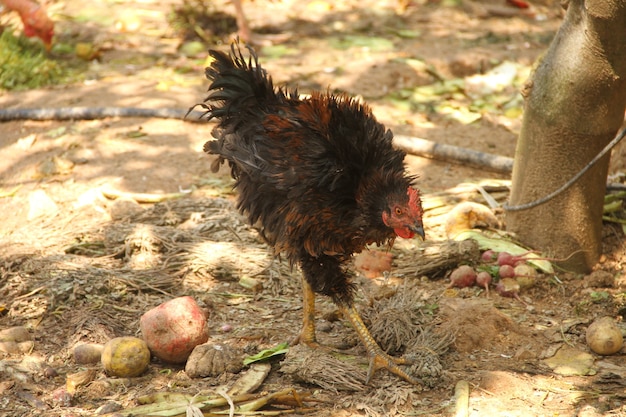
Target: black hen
(319, 174)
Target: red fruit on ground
(174, 328)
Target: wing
(326, 142)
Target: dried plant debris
(426, 352)
(435, 258)
(222, 260)
(394, 327)
(198, 19)
(318, 367)
(46, 284)
(201, 237)
(401, 325)
(396, 320)
(390, 399)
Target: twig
(33, 292)
(461, 395)
(93, 113)
(125, 309)
(430, 149)
(567, 342)
(142, 197)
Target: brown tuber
(173, 329)
(604, 337)
(87, 353)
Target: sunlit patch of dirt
(86, 267)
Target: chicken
(247, 35)
(243, 32)
(320, 177)
(34, 18)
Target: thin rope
(620, 135)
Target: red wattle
(404, 233)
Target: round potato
(604, 337)
(125, 357)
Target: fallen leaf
(267, 353)
(571, 361)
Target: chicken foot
(378, 358)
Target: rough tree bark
(575, 103)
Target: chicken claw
(378, 358)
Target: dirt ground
(79, 265)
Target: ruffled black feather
(315, 172)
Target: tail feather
(241, 94)
(213, 147)
(239, 87)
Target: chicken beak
(418, 229)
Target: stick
(142, 197)
(412, 145)
(461, 396)
(91, 113)
(430, 149)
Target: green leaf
(280, 349)
(460, 114)
(408, 33)
(278, 51)
(9, 193)
(373, 43)
(599, 296)
(57, 132)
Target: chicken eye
(398, 211)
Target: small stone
(10, 347)
(49, 372)
(87, 353)
(40, 204)
(599, 279)
(61, 397)
(15, 334)
(124, 208)
(108, 407)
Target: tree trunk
(575, 104)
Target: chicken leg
(307, 334)
(378, 358)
